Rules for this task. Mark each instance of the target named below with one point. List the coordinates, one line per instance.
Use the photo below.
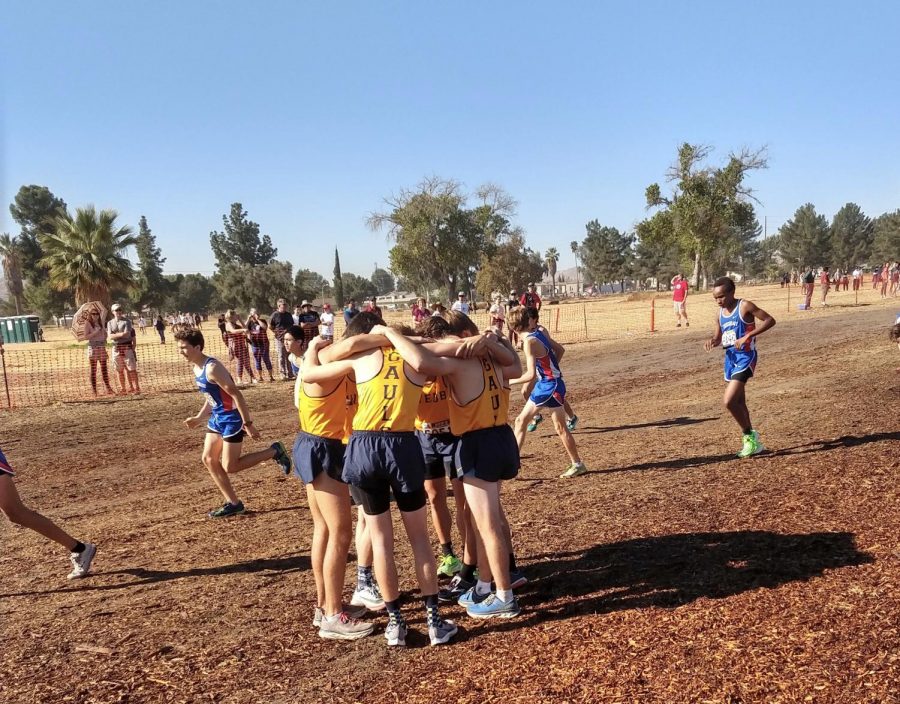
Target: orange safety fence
(60, 369)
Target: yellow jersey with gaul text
(324, 416)
(488, 409)
(388, 402)
(433, 415)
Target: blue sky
(311, 113)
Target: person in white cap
(326, 320)
(121, 332)
(461, 304)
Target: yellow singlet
(389, 401)
(489, 409)
(351, 405)
(433, 415)
(324, 416)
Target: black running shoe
(457, 587)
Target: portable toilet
(20, 328)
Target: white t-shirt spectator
(461, 306)
(326, 324)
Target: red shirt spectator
(530, 299)
(679, 291)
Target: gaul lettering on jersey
(486, 363)
(492, 383)
(352, 400)
(390, 392)
(435, 398)
(392, 373)
(386, 415)
(495, 402)
(393, 356)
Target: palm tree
(550, 259)
(574, 245)
(11, 257)
(87, 253)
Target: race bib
(728, 338)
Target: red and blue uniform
(225, 418)
(734, 327)
(4, 466)
(550, 390)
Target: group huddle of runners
(387, 415)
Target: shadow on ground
(671, 570)
(278, 565)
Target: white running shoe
(441, 632)
(81, 561)
(395, 632)
(369, 597)
(342, 627)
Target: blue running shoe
(471, 597)
(492, 607)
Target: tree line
(61, 260)
(444, 239)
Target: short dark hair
(724, 281)
(296, 332)
(895, 333)
(191, 336)
(362, 323)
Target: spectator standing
(679, 300)
(420, 311)
(825, 280)
(298, 311)
(374, 308)
(121, 332)
(350, 311)
(857, 279)
(461, 304)
(258, 331)
(236, 332)
(309, 322)
(531, 299)
(142, 324)
(498, 314)
(95, 334)
(809, 283)
(160, 326)
(280, 322)
(326, 321)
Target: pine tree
(150, 288)
(338, 281)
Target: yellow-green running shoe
(573, 470)
(449, 565)
(752, 445)
(535, 422)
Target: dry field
(672, 572)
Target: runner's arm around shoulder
(350, 346)
(314, 371)
(416, 356)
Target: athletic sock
(467, 572)
(447, 549)
(748, 431)
(505, 595)
(393, 608)
(363, 577)
(79, 548)
(431, 609)
(482, 587)
(512, 562)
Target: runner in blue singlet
(736, 330)
(542, 367)
(229, 420)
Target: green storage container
(20, 328)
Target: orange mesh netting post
(652, 315)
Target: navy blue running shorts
(489, 454)
(313, 455)
(439, 451)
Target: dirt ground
(673, 572)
